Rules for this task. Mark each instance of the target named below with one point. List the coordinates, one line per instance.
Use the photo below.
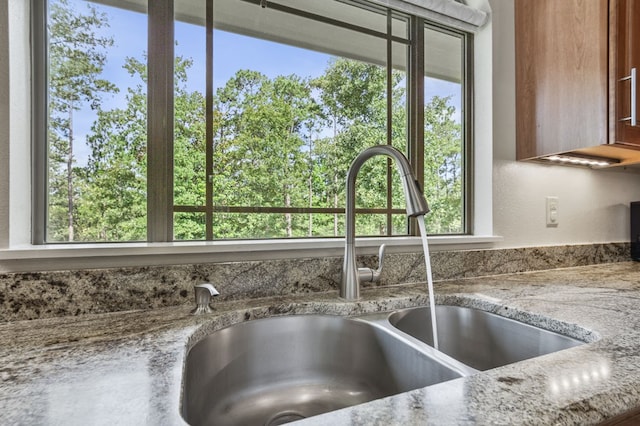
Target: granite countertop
(125, 368)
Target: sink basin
(480, 339)
(275, 370)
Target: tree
(443, 166)
(286, 106)
(259, 140)
(113, 202)
(189, 171)
(77, 58)
(281, 142)
(353, 96)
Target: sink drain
(284, 417)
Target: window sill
(82, 256)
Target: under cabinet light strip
(580, 161)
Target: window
(238, 119)
(97, 122)
(446, 109)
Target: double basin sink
(277, 370)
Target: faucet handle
(203, 293)
(367, 275)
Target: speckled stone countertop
(126, 368)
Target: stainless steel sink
(480, 339)
(272, 371)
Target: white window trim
(16, 251)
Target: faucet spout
(416, 206)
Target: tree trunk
(310, 184)
(70, 177)
(310, 205)
(335, 205)
(287, 216)
(335, 179)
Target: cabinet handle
(633, 117)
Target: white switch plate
(552, 212)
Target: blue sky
(129, 30)
(232, 52)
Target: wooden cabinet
(561, 75)
(571, 57)
(625, 18)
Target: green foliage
(189, 155)
(113, 204)
(443, 167)
(282, 142)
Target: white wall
(593, 204)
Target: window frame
(160, 207)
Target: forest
(279, 142)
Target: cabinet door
(562, 64)
(627, 59)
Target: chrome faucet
(352, 276)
